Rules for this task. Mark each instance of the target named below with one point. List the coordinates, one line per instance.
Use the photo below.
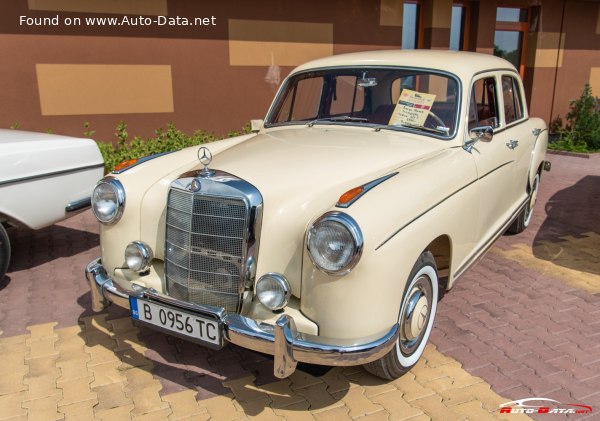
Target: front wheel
(417, 313)
(524, 218)
(4, 252)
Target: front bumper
(283, 341)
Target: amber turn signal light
(349, 195)
(125, 164)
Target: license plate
(180, 323)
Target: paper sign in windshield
(412, 108)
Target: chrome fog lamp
(335, 243)
(108, 200)
(273, 291)
(138, 256)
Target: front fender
(399, 219)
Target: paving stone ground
(523, 323)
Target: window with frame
(483, 107)
(410, 26)
(458, 27)
(513, 108)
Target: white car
(44, 178)
(376, 180)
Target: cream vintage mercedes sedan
(327, 235)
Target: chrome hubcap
(415, 315)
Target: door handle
(512, 144)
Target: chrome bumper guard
(283, 341)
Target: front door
(495, 159)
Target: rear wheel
(417, 313)
(524, 218)
(4, 252)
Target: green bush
(582, 133)
(165, 140)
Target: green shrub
(582, 133)
(165, 140)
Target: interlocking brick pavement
(522, 323)
(88, 372)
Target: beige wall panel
(125, 7)
(79, 89)
(260, 53)
(391, 12)
(545, 49)
(442, 18)
(262, 43)
(595, 80)
(438, 13)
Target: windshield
(384, 98)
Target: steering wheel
(436, 119)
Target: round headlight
(138, 256)
(273, 291)
(335, 243)
(108, 200)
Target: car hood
(319, 164)
(302, 172)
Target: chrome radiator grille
(205, 244)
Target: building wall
(219, 75)
(213, 77)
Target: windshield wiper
(438, 130)
(341, 118)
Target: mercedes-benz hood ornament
(205, 158)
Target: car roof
(462, 63)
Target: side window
(513, 108)
(483, 107)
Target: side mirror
(256, 125)
(483, 133)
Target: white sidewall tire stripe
(412, 359)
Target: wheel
(4, 252)
(524, 217)
(417, 313)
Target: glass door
(510, 36)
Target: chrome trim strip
(78, 205)
(283, 341)
(366, 187)
(495, 169)
(424, 212)
(439, 203)
(51, 174)
(486, 246)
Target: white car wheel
(417, 313)
(524, 218)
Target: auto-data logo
(543, 406)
